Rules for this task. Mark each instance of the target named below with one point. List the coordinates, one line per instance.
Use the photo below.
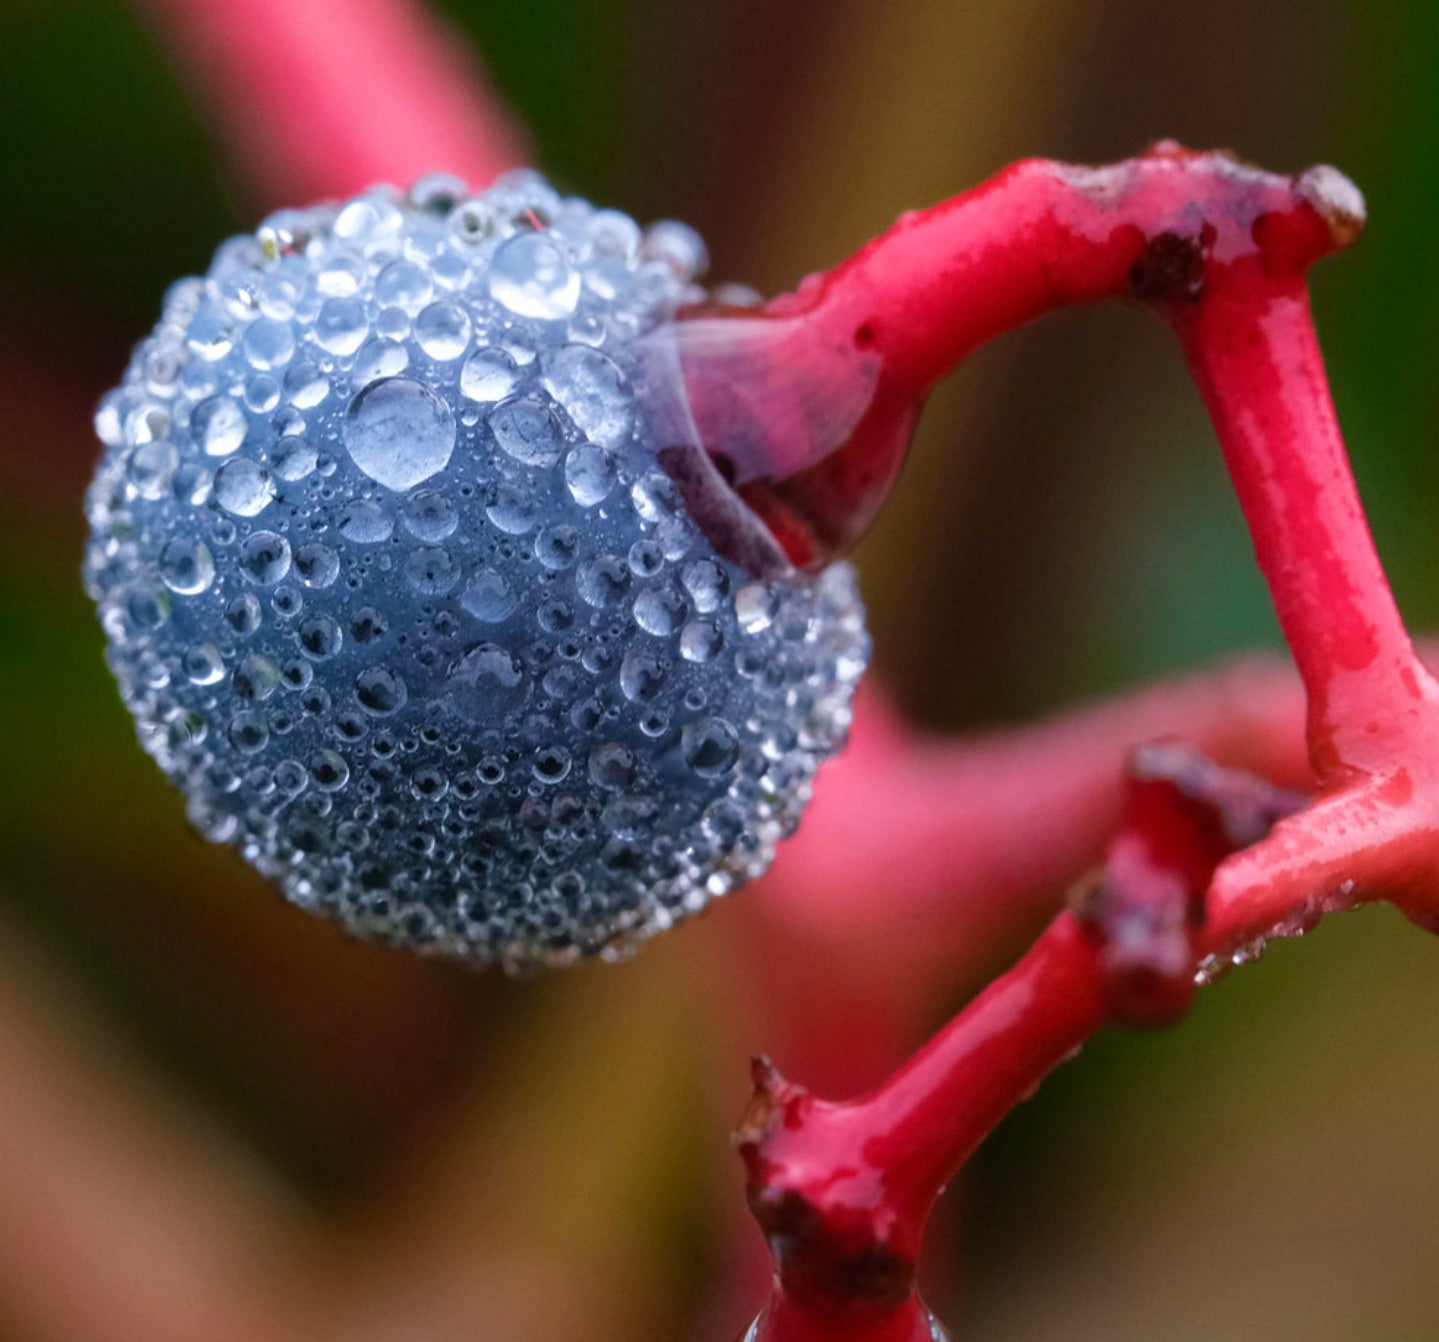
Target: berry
(415, 589)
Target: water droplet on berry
(755, 606)
(264, 558)
(642, 676)
(380, 691)
(515, 509)
(249, 732)
(294, 459)
(429, 515)
(366, 524)
(320, 636)
(268, 343)
(591, 389)
(700, 641)
(186, 566)
(603, 581)
(152, 468)
(530, 276)
(219, 425)
(403, 285)
(589, 474)
(659, 610)
(243, 488)
(399, 433)
(528, 431)
(488, 375)
(431, 570)
(442, 330)
(380, 358)
(243, 614)
(488, 682)
(488, 597)
(329, 771)
(202, 664)
(317, 564)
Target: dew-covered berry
(417, 584)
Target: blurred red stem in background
(322, 98)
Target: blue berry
(402, 592)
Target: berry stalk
(810, 401)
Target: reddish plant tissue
(806, 404)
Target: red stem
(1220, 250)
(1251, 346)
(811, 400)
(321, 98)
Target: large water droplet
(243, 488)
(488, 683)
(341, 325)
(255, 678)
(659, 610)
(755, 606)
(603, 581)
(431, 570)
(612, 766)
(269, 343)
(317, 564)
(320, 637)
(443, 331)
(366, 523)
(265, 558)
(218, 425)
(710, 747)
(152, 466)
(202, 664)
(700, 641)
(249, 731)
(707, 583)
(488, 597)
(380, 358)
(530, 276)
(380, 691)
(514, 510)
(488, 375)
(186, 565)
(294, 459)
(329, 770)
(404, 285)
(429, 515)
(528, 431)
(243, 614)
(590, 474)
(641, 676)
(399, 433)
(592, 391)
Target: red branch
(321, 98)
(809, 404)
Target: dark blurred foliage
(1064, 529)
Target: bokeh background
(1267, 1170)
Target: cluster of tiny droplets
(398, 596)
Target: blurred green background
(1265, 1171)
